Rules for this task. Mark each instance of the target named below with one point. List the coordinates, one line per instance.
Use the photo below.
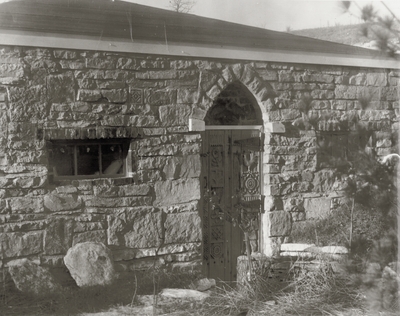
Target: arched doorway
(232, 188)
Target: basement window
(88, 159)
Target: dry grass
(318, 292)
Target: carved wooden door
(231, 187)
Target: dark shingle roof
(125, 21)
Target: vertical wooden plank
(216, 207)
(205, 204)
(236, 239)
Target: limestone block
(62, 202)
(182, 227)
(317, 208)
(115, 95)
(124, 190)
(27, 104)
(171, 115)
(172, 192)
(189, 149)
(142, 229)
(182, 167)
(90, 236)
(157, 75)
(371, 93)
(214, 92)
(135, 228)
(109, 202)
(378, 79)
(12, 70)
(268, 75)
(190, 96)
(88, 95)
(317, 77)
(65, 54)
(21, 244)
(345, 92)
(280, 223)
(101, 63)
(171, 168)
(358, 79)
(90, 264)
(161, 97)
(29, 277)
(111, 84)
(322, 94)
(391, 93)
(274, 127)
(3, 204)
(180, 248)
(58, 236)
(190, 167)
(72, 64)
(323, 180)
(207, 80)
(61, 88)
(26, 205)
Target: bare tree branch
(182, 6)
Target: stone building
(166, 134)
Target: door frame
(260, 128)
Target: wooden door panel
(228, 163)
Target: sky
(276, 15)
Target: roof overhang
(66, 41)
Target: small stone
(335, 250)
(90, 264)
(30, 278)
(203, 284)
(184, 294)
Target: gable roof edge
(190, 50)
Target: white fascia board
(61, 41)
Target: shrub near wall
(48, 95)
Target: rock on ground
(90, 264)
(31, 278)
(203, 284)
(184, 294)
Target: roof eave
(64, 41)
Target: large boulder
(90, 264)
(31, 278)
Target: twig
(134, 293)
(351, 223)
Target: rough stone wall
(60, 94)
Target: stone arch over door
(234, 108)
(212, 85)
(235, 105)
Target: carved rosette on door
(250, 200)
